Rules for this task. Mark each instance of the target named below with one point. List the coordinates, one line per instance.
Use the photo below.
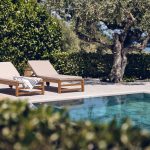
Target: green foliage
(83, 64)
(138, 66)
(98, 65)
(27, 32)
(87, 13)
(22, 128)
(70, 41)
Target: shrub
(70, 41)
(22, 128)
(27, 32)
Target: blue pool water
(104, 109)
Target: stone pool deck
(93, 88)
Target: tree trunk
(119, 63)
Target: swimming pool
(104, 109)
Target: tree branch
(94, 40)
(139, 47)
(129, 22)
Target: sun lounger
(7, 74)
(45, 70)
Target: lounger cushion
(62, 77)
(8, 81)
(8, 71)
(42, 68)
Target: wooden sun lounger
(44, 70)
(7, 71)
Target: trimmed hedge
(98, 65)
(22, 128)
(82, 63)
(138, 66)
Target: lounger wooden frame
(19, 90)
(61, 86)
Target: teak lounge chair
(45, 70)
(8, 71)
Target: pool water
(104, 109)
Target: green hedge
(98, 65)
(82, 63)
(138, 66)
(22, 128)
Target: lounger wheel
(47, 83)
(11, 86)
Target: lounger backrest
(7, 70)
(42, 68)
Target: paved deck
(93, 88)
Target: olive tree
(120, 25)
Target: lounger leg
(82, 85)
(42, 88)
(17, 90)
(59, 87)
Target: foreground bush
(22, 128)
